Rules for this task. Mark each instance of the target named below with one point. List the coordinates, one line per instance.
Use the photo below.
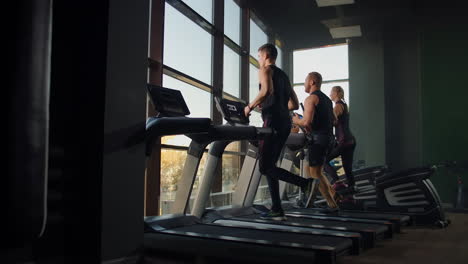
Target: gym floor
(414, 245)
(421, 245)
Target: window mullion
(192, 15)
(218, 60)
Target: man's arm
(309, 110)
(266, 88)
(293, 103)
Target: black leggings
(346, 151)
(269, 152)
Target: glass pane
(187, 47)
(331, 62)
(203, 7)
(257, 38)
(326, 89)
(234, 146)
(230, 173)
(172, 165)
(231, 170)
(253, 82)
(198, 102)
(263, 193)
(231, 71)
(279, 59)
(232, 16)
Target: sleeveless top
(342, 131)
(275, 105)
(322, 122)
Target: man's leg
(324, 185)
(289, 177)
(317, 157)
(266, 165)
(279, 140)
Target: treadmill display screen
(232, 111)
(168, 102)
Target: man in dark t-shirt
(276, 98)
(318, 121)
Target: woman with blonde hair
(345, 141)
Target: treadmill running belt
(326, 224)
(279, 238)
(400, 219)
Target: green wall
(444, 58)
(366, 98)
(407, 92)
(402, 97)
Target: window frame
(157, 68)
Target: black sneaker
(271, 215)
(308, 192)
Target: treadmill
(244, 213)
(363, 235)
(183, 234)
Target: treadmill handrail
(164, 126)
(231, 133)
(176, 125)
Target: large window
(231, 166)
(331, 62)
(231, 72)
(201, 107)
(253, 82)
(188, 67)
(172, 165)
(257, 38)
(232, 16)
(187, 47)
(203, 7)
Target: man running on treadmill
(276, 98)
(318, 121)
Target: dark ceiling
(302, 24)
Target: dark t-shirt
(322, 122)
(275, 105)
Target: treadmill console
(167, 102)
(232, 111)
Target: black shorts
(318, 148)
(316, 154)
